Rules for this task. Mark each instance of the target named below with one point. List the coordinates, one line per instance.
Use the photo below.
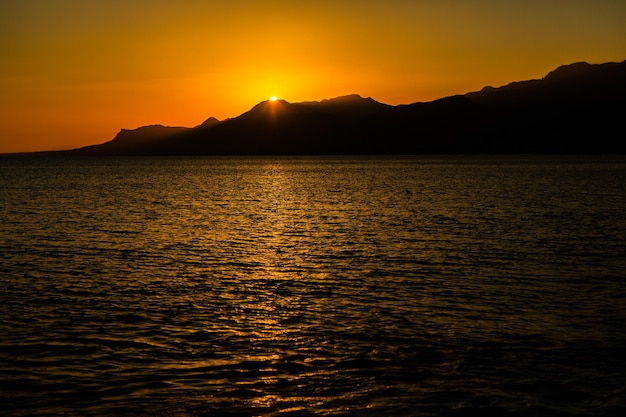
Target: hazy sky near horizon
(73, 72)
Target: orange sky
(73, 72)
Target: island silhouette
(576, 109)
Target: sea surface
(328, 286)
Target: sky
(74, 72)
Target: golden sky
(73, 72)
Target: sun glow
(273, 98)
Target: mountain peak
(210, 122)
(348, 97)
(547, 115)
(571, 70)
(266, 108)
(270, 103)
(148, 131)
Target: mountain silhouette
(575, 109)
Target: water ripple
(312, 286)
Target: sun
(273, 98)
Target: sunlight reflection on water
(312, 286)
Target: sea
(313, 286)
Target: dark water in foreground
(321, 286)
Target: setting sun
(74, 75)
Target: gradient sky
(73, 72)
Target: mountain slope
(576, 108)
(135, 141)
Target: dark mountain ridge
(576, 108)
